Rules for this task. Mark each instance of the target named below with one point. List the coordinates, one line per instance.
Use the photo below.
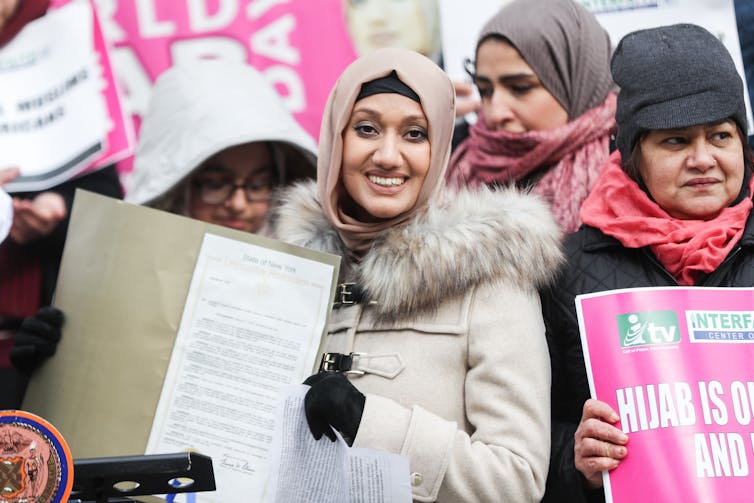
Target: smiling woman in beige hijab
(437, 103)
(437, 319)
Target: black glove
(36, 339)
(333, 401)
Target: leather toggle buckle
(348, 294)
(339, 362)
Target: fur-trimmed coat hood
(501, 235)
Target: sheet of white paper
(51, 84)
(378, 477)
(306, 470)
(252, 323)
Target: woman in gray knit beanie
(547, 106)
(672, 207)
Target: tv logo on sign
(648, 327)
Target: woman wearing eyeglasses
(215, 144)
(543, 73)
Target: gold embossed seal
(35, 462)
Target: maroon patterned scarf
(572, 155)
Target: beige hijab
(437, 101)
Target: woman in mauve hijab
(542, 69)
(435, 348)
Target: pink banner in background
(676, 364)
(120, 141)
(120, 138)
(301, 46)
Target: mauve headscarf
(565, 46)
(570, 53)
(437, 101)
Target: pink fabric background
(120, 141)
(317, 36)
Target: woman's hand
(599, 446)
(333, 401)
(37, 339)
(467, 100)
(8, 174)
(36, 218)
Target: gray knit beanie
(673, 77)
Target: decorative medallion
(35, 462)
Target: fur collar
(465, 239)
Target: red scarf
(620, 208)
(576, 153)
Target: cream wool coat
(457, 370)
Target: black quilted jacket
(596, 263)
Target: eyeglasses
(213, 191)
(470, 67)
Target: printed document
(306, 470)
(252, 322)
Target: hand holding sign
(598, 445)
(8, 174)
(36, 218)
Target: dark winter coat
(597, 263)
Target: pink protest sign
(120, 137)
(64, 99)
(119, 141)
(300, 46)
(676, 365)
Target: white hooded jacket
(200, 108)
